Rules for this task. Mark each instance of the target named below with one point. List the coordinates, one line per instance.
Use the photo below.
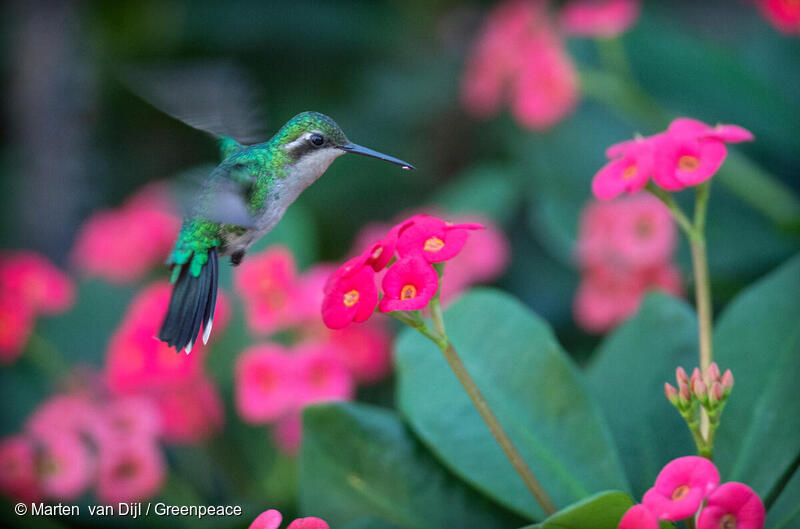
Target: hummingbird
(239, 202)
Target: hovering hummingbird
(241, 200)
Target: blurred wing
(215, 97)
(211, 193)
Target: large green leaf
(758, 339)
(785, 513)
(628, 375)
(534, 389)
(360, 461)
(600, 511)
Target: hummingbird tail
(191, 305)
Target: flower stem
(480, 403)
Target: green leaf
(360, 461)
(758, 339)
(603, 510)
(628, 375)
(535, 391)
(785, 513)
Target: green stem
(500, 435)
(665, 197)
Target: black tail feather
(191, 305)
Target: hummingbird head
(311, 138)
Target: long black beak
(358, 149)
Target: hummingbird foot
(236, 257)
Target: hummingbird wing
(215, 97)
(219, 194)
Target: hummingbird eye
(317, 139)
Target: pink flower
(311, 292)
(351, 295)
(268, 284)
(682, 161)
(64, 464)
(190, 411)
(271, 519)
(433, 239)
(137, 360)
(644, 233)
(638, 517)
(308, 523)
(732, 505)
(35, 283)
(127, 417)
(130, 470)
(380, 253)
(629, 170)
(599, 18)
(520, 56)
(266, 386)
(681, 487)
(697, 129)
(783, 14)
(408, 285)
(121, 244)
(546, 88)
(604, 299)
(287, 433)
(16, 324)
(18, 477)
(320, 376)
(69, 414)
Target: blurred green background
(388, 71)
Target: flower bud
(727, 382)
(699, 388)
(680, 376)
(712, 373)
(685, 396)
(671, 393)
(695, 375)
(715, 393)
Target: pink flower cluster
(599, 18)
(711, 388)
(783, 14)
(76, 440)
(410, 281)
(688, 153)
(137, 363)
(483, 258)
(690, 484)
(271, 519)
(520, 56)
(624, 249)
(122, 244)
(273, 383)
(29, 285)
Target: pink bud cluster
(782, 14)
(624, 249)
(520, 57)
(407, 253)
(122, 244)
(137, 363)
(688, 153)
(690, 484)
(710, 389)
(30, 285)
(78, 440)
(271, 519)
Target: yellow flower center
(408, 292)
(688, 163)
(680, 492)
(350, 298)
(434, 244)
(629, 172)
(727, 522)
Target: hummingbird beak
(358, 149)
